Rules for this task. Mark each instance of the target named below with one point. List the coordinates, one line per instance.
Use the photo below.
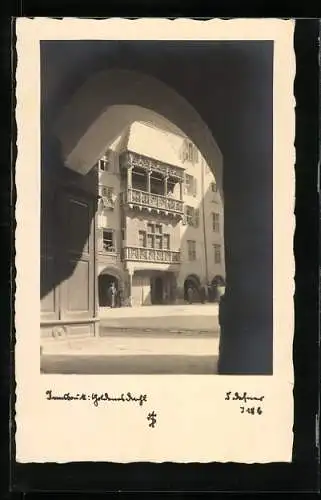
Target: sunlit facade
(159, 219)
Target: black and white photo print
(152, 161)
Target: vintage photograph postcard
(154, 311)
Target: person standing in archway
(112, 295)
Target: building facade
(159, 219)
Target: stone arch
(194, 281)
(112, 270)
(82, 124)
(106, 276)
(217, 280)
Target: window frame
(113, 246)
(167, 237)
(214, 187)
(217, 252)
(192, 218)
(144, 234)
(191, 250)
(216, 222)
(105, 162)
(153, 236)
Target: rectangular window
(191, 248)
(214, 187)
(166, 242)
(217, 254)
(150, 241)
(154, 237)
(189, 215)
(158, 242)
(108, 241)
(190, 185)
(142, 238)
(104, 163)
(192, 216)
(216, 222)
(189, 152)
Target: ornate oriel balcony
(150, 184)
(143, 254)
(130, 159)
(151, 201)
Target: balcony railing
(143, 254)
(155, 201)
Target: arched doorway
(104, 283)
(192, 282)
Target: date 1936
(245, 398)
(253, 410)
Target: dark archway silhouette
(239, 117)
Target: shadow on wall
(65, 234)
(201, 267)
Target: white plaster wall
(149, 140)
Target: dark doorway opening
(104, 283)
(192, 283)
(157, 290)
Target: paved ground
(195, 317)
(139, 365)
(144, 340)
(136, 354)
